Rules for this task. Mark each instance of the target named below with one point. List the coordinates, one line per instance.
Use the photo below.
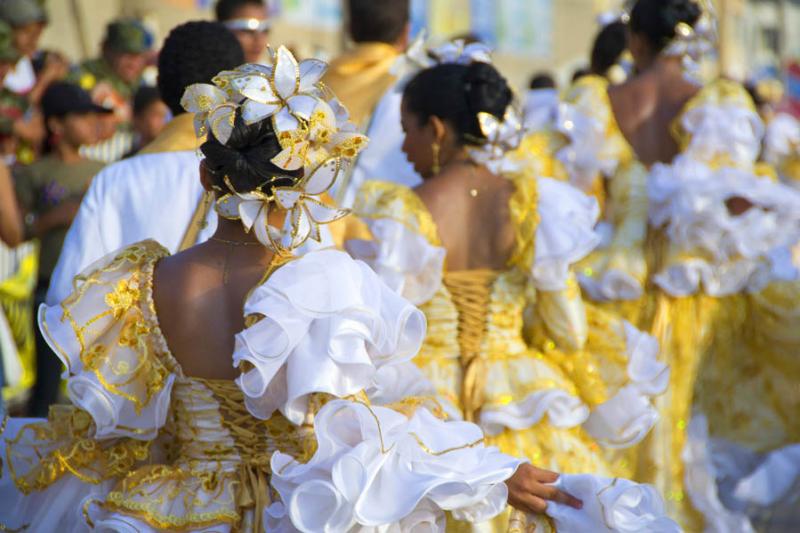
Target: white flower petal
(284, 121)
(302, 106)
(311, 71)
(323, 178)
(291, 158)
(301, 226)
(348, 144)
(252, 213)
(321, 213)
(202, 98)
(287, 198)
(256, 88)
(253, 111)
(286, 75)
(200, 128)
(221, 121)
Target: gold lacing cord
(471, 292)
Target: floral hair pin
(314, 132)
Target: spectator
(21, 126)
(49, 192)
(249, 22)
(112, 79)
(150, 115)
(542, 80)
(360, 76)
(10, 219)
(156, 194)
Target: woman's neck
(67, 153)
(232, 230)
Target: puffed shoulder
(118, 368)
(377, 467)
(404, 250)
(565, 234)
(327, 324)
(596, 146)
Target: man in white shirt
(157, 194)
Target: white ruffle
(541, 109)
(563, 410)
(114, 415)
(375, 467)
(611, 285)
(726, 481)
(404, 259)
(610, 506)
(566, 234)
(329, 325)
(628, 416)
(714, 249)
(782, 138)
(588, 153)
(729, 131)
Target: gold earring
(437, 167)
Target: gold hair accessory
(695, 44)
(314, 132)
(437, 166)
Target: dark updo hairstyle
(246, 158)
(608, 47)
(657, 19)
(456, 94)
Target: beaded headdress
(501, 135)
(695, 44)
(314, 132)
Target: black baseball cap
(63, 98)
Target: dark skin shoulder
(645, 107)
(470, 207)
(199, 313)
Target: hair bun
(486, 89)
(686, 11)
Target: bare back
(645, 108)
(470, 207)
(199, 313)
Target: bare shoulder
(634, 101)
(440, 194)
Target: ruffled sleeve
(404, 250)
(118, 368)
(712, 248)
(376, 467)
(596, 147)
(326, 324)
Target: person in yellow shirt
(361, 75)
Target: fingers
(527, 503)
(544, 476)
(564, 498)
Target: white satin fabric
(329, 325)
(374, 467)
(730, 484)
(781, 139)
(610, 506)
(629, 415)
(712, 249)
(565, 235)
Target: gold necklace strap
(235, 243)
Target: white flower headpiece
(502, 135)
(313, 130)
(695, 44)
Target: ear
(439, 128)
(55, 125)
(206, 179)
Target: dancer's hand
(529, 490)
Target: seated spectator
(542, 80)
(150, 116)
(49, 192)
(112, 79)
(249, 22)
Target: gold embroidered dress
(146, 448)
(551, 406)
(712, 286)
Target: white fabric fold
(611, 285)
(730, 131)
(562, 409)
(565, 235)
(714, 249)
(329, 324)
(610, 505)
(629, 415)
(375, 467)
(404, 260)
